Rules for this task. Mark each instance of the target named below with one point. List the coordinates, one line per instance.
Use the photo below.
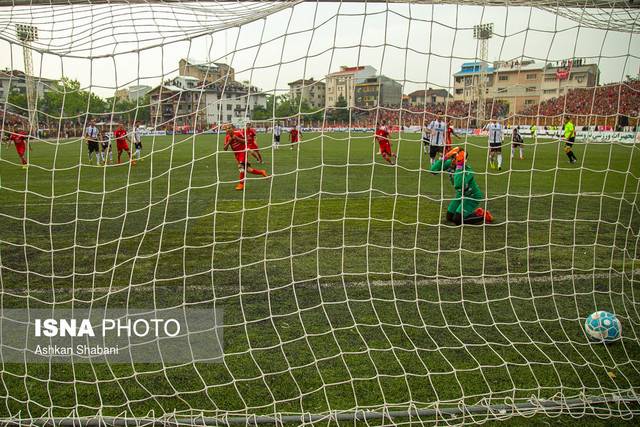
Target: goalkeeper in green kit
(464, 208)
(569, 139)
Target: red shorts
(21, 148)
(252, 145)
(294, 140)
(123, 146)
(385, 147)
(241, 157)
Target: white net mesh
(347, 293)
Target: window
(229, 107)
(549, 91)
(458, 79)
(503, 78)
(531, 76)
(531, 89)
(529, 101)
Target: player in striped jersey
(277, 131)
(93, 145)
(517, 142)
(426, 138)
(495, 130)
(137, 140)
(105, 141)
(438, 130)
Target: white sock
(513, 152)
(521, 152)
(111, 156)
(499, 160)
(137, 154)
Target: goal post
(316, 212)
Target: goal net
(340, 270)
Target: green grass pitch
(341, 285)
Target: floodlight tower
(27, 34)
(482, 33)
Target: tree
(285, 107)
(18, 101)
(260, 113)
(128, 111)
(341, 112)
(67, 100)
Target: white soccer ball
(603, 326)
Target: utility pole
(482, 33)
(27, 34)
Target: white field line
(520, 279)
(328, 196)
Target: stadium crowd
(457, 111)
(607, 100)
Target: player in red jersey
(295, 135)
(236, 140)
(450, 131)
(120, 134)
(382, 136)
(19, 138)
(250, 137)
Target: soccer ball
(603, 326)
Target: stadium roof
(469, 68)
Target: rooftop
(305, 82)
(469, 68)
(203, 64)
(516, 66)
(347, 70)
(17, 74)
(430, 91)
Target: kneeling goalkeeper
(465, 207)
